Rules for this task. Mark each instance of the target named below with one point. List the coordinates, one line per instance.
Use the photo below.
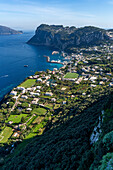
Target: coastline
(15, 53)
(7, 94)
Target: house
(111, 84)
(64, 102)
(54, 84)
(47, 83)
(15, 97)
(35, 101)
(53, 72)
(86, 79)
(16, 134)
(93, 85)
(53, 100)
(29, 89)
(10, 122)
(28, 109)
(20, 88)
(38, 91)
(33, 88)
(35, 94)
(48, 94)
(109, 74)
(104, 78)
(55, 69)
(36, 76)
(24, 97)
(39, 80)
(38, 87)
(101, 82)
(30, 77)
(93, 78)
(14, 93)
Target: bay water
(15, 53)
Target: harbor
(53, 61)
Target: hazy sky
(28, 14)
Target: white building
(48, 94)
(14, 93)
(20, 88)
(24, 97)
(39, 80)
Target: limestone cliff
(61, 37)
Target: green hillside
(66, 144)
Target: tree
(11, 104)
(107, 162)
(108, 141)
(25, 105)
(22, 119)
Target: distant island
(66, 38)
(8, 31)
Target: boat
(25, 65)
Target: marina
(53, 61)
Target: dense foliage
(65, 147)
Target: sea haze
(14, 54)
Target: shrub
(107, 162)
(108, 141)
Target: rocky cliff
(8, 31)
(61, 37)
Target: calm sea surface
(14, 54)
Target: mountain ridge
(62, 38)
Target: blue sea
(14, 54)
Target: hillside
(61, 119)
(68, 145)
(8, 31)
(62, 38)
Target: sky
(28, 14)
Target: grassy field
(71, 75)
(39, 111)
(5, 134)
(28, 83)
(16, 118)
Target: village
(42, 98)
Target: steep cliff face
(63, 37)
(8, 31)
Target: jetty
(55, 52)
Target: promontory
(8, 31)
(63, 38)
